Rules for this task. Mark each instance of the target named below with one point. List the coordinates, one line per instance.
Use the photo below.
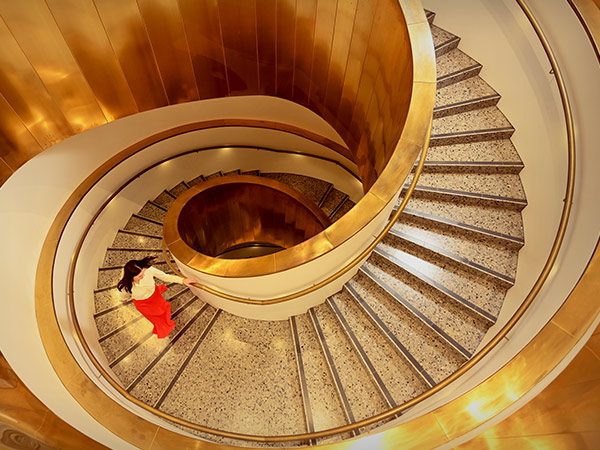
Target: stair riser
(465, 138)
(449, 79)
(466, 200)
(452, 230)
(450, 110)
(444, 48)
(443, 260)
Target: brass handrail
(345, 269)
(526, 303)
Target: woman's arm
(170, 278)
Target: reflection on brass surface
(34, 28)
(127, 33)
(266, 45)
(14, 439)
(18, 145)
(226, 212)
(167, 37)
(82, 29)
(286, 33)
(28, 97)
(306, 15)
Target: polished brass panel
(82, 29)
(356, 58)
(5, 171)
(164, 26)
(306, 13)
(127, 33)
(203, 30)
(33, 26)
(28, 97)
(225, 212)
(18, 145)
(338, 57)
(238, 23)
(266, 44)
(324, 25)
(286, 37)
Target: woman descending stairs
(414, 313)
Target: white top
(145, 288)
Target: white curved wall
(33, 196)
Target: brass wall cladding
(227, 212)
(70, 65)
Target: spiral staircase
(414, 313)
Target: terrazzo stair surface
(413, 314)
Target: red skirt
(158, 311)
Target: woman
(138, 284)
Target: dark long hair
(133, 269)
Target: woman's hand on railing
(189, 282)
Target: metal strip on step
(466, 102)
(308, 416)
(462, 225)
(138, 233)
(458, 72)
(451, 294)
(418, 314)
(473, 195)
(339, 205)
(333, 371)
(402, 350)
(471, 133)
(327, 191)
(157, 205)
(170, 344)
(368, 364)
(187, 359)
(147, 219)
(147, 336)
(460, 259)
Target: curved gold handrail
(42, 274)
(349, 266)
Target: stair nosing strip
(302, 378)
(451, 294)
(133, 249)
(459, 72)
(131, 349)
(367, 363)
(475, 163)
(153, 203)
(339, 205)
(450, 41)
(148, 219)
(461, 225)
(188, 358)
(169, 194)
(117, 330)
(186, 184)
(466, 102)
(478, 132)
(418, 314)
(460, 259)
(169, 345)
(333, 370)
(138, 233)
(327, 191)
(475, 195)
(425, 377)
(111, 308)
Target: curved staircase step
(164, 199)
(179, 189)
(455, 66)
(312, 188)
(143, 225)
(443, 41)
(151, 384)
(483, 294)
(466, 95)
(437, 358)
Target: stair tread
(453, 61)
(490, 118)
(164, 199)
(332, 201)
(463, 91)
(436, 356)
(481, 251)
(398, 377)
(129, 368)
(482, 292)
(143, 226)
(228, 373)
(358, 386)
(327, 410)
(441, 37)
(118, 257)
(151, 386)
(460, 324)
(310, 187)
(178, 189)
(502, 221)
(501, 150)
